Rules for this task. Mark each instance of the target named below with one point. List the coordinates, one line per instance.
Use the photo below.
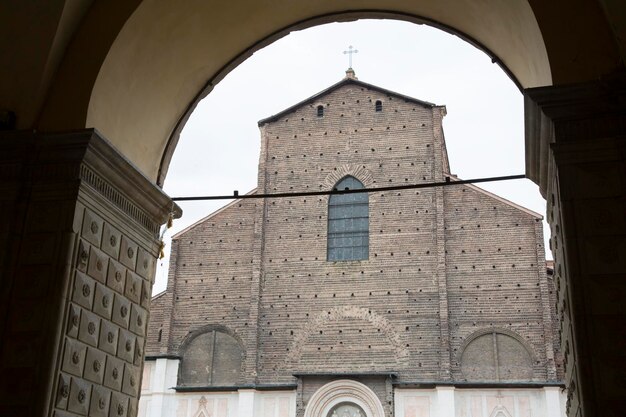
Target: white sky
(219, 147)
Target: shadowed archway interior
(133, 70)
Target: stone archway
(156, 87)
(344, 391)
(75, 67)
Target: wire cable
(448, 181)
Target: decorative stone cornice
(588, 111)
(90, 160)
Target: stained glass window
(348, 223)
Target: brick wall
(443, 263)
(493, 272)
(393, 296)
(209, 280)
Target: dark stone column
(576, 152)
(78, 245)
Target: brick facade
(445, 264)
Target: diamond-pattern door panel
(106, 323)
(108, 337)
(89, 328)
(98, 263)
(94, 365)
(133, 287)
(126, 345)
(138, 317)
(63, 391)
(83, 290)
(116, 276)
(73, 320)
(113, 373)
(103, 301)
(119, 405)
(130, 383)
(128, 253)
(74, 357)
(100, 400)
(80, 391)
(111, 241)
(84, 240)
(92, 227)
(121, 311)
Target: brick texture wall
(443, 263)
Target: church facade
(411, 303)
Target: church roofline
(154, 297)
(500, 199)
(219, 210)
(333, 87)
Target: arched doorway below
(346, 409)
(344, 398)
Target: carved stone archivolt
(344, 392)
(369, 318)
(357, 171)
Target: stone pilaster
(253, 345)
(79, 245)
(441, 167)
(583, 177)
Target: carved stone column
(576, 152)
(78, 247)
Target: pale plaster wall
(159, 399)
(448, 401)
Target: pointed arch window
(320, 111)
(378, 106)
(348, 223)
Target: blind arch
(211, 358)
(496, 355)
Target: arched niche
(210, 357)
(496, 355)
(344, 392)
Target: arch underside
(168, 56)
(135, 69)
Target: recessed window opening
(378, 106)
(320, 111)
(348, 223)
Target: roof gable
(344, 82)
(502, 200)
(210, 215)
